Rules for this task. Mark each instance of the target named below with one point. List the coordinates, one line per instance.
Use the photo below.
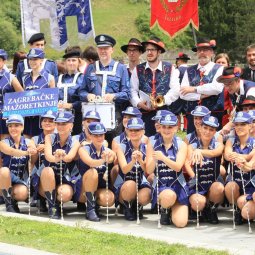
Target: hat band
(228, 76)
(204, 45)
(160, 44)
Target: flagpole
(22, 23)
(194, 34)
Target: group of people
(71, 156)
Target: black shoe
(33, 202)
(238, 217)
(92, 216)
(10, 208)
(154, 210)
(165, 217)
(2, 200)
(54, 212)
(129, 214)
(121, 209)
(15, 206)
(192, 214)
(81, 207)
(41, 205)
(212, 215)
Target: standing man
(155, 78)
(249, 71)
(134, 49)
(37, 41)
(108, 79)
(199, 85)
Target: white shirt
(174, 85)
(210, 89)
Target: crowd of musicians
(55, 158)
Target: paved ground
(220, 237)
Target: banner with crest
(32, 11)
(173, 16)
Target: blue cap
(49, 114)
(135, 123)
(252, 113)
(200, 111)
(242, 117)
(64, 117)
(92, 115)
(133, 111)
(161, 113)
(97, 128)
(104, 40)
(3, 54)
(35, 53)
(210, 121)
(168, 120)
(15, 119)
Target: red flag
(173, 16)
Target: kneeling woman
(93, 166)
(240, 185)
(60, 151)
(204, 155)
(14, 175)
(170, 154)
(131, 158)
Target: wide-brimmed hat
(200, 111)
(249, 100)
(182, 56)
(210, 121)
(97, 128)
(229, 74)
(157, 42)
(15, 119)
(133, 42)
(168, 120)
(204, 42)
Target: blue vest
(5, 86)
(17, 165)
(90, 148)
(122, 138)
(55, 142)
(168, 176)
(213, 103)
(182, 70)
(210, 170)
(250, 144)
(247, 85)
(41, 82)
(128, 149)
(162, 78)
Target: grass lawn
(69, 240)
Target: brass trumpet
(157, 101)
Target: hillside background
(231, 23)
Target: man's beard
(204, 60)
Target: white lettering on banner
(42, 97)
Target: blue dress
(70, 172)
(169, 178)
(32, 124)
(209, 172)
(249, 177)
(5, 87)
(127, 149)
(17, 165)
